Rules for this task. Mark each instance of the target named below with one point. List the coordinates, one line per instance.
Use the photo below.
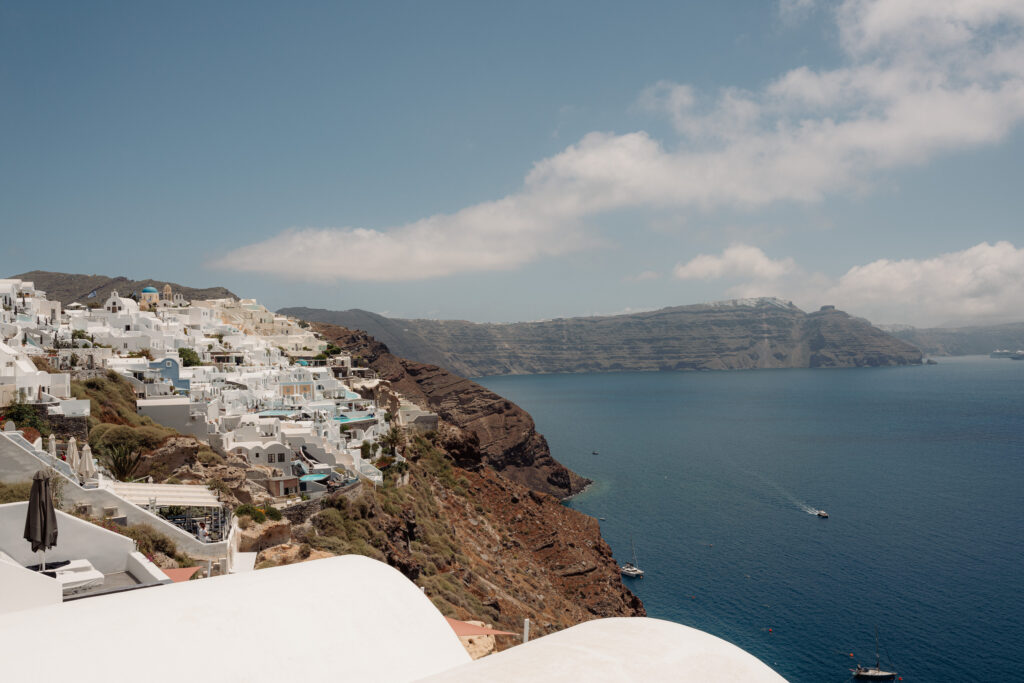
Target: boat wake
(786, 495)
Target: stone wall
(300, 512)
(63, 427)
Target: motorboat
(822, 514)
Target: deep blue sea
(713, 475)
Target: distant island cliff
(738, 334)
(963, 341)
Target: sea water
(715, 476)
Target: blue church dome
(149, 290)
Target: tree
(392, 440)
(121, 460)
(189, 357)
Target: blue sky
(521, 161)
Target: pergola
(197, 502)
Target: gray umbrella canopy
(41, 520)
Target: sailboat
(873, 673)
(632, 569)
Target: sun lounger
(75, 576)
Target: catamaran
(632, 569)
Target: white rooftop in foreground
(345, 618)
(166, 494)
(620, 649)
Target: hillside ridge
(71, 287)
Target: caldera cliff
(740, 334)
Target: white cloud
(491, 236)
(926, 25)
(984, 283)
(981, 284)
(921, 77)
(794, 10)
(738, 261)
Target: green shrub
(149, 540)
(189, 357)
(143, 439)
(16, 492)
(272, 513)
(208, 457)
(24, 415)
(219, 485)
(248, 510)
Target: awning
(184, 495)
(179, 575)
(464, 628)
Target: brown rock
(288, 553)
(478, 646)
(257, 537)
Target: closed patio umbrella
(51, 446)
(72, 454)
(41, 519)
(86, 468)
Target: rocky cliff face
(476, 520)
(757, 333)
(497, 433)
(480, 545)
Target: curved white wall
(340, 619)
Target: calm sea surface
(714, 475)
